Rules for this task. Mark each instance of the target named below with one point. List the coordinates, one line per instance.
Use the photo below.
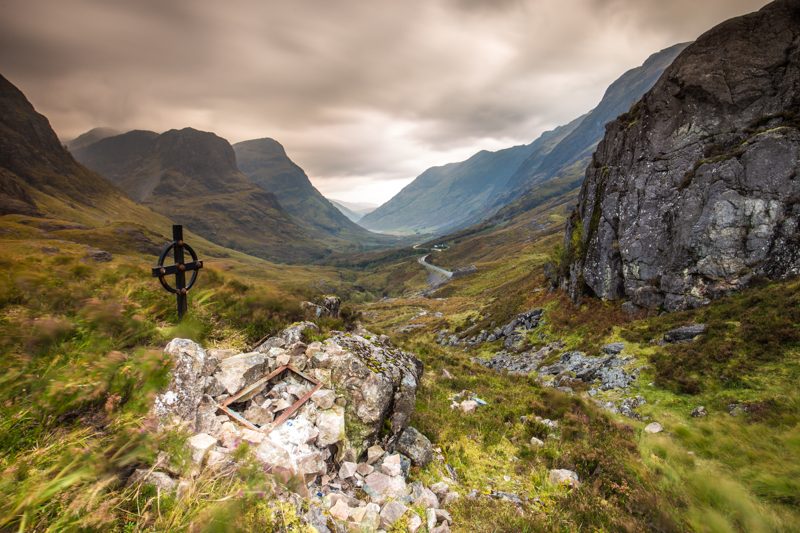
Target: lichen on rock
(698, 196)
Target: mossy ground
(81, 345)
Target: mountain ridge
(556, 154)
(90, 137)
(266, 163)
(192, 177)
(33, 160)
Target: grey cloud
(355, 90)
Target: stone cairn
(348, 447)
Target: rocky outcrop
(329, 306)
(512, 333)
(695, 192)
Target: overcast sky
(364, 95)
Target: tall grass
(81, 362)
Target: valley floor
(81, 339)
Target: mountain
(90, 137)
(265, 162)
(579, 144)
(447, 198)
(346, 211)
(35, 168)
(694, 192)
(451, 196)
(191, 176)
(355, 211)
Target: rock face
(380, 381)
(694, 192)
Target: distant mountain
(90, 137)
(349, 213)
(582, 141)
(34, 164)
(353, 210)
(192, 177)
(447, 198)
(43, 187)
(265, 162)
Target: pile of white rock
(350, 439)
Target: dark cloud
(363, 94)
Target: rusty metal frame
(256, 387)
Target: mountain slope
(191, 176)
(350, 214)
(581, 142)
(33, 161)
(355, 211)
(448, 198)
(457, 194)
(265, 162)
(710, 202)
(90, 137)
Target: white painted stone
(199, 445)
(331, 426)
(468, 406)
(653, 427)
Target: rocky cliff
(694, 192)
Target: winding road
(433, 268)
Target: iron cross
(179, 269)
